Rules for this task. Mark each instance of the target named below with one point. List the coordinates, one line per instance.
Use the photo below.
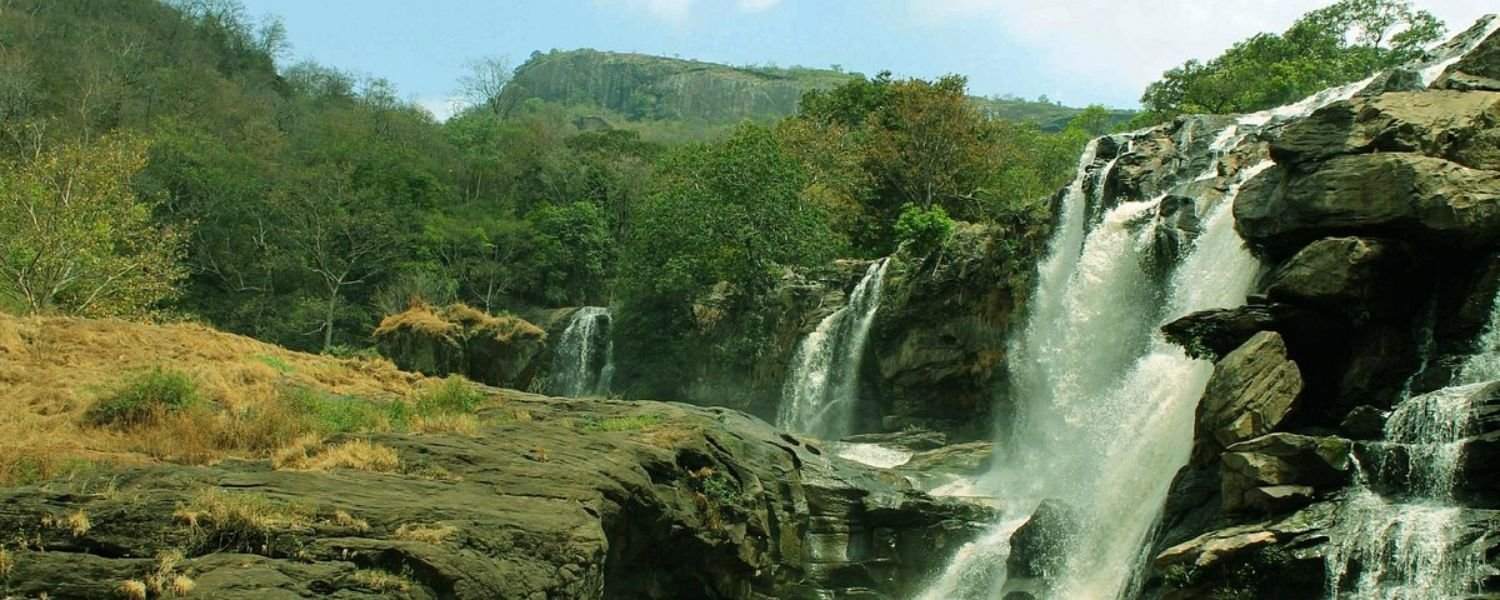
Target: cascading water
(1106, 405)
(821, 393)
(1401, 546)
(583, 362)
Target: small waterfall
(583, 361)
(821, 394)
(1401, 547)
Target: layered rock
(496, 350)
(551, 499)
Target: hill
(671, 97)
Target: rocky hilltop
(532, 497)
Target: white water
(1402, 548)
(875, 455)
(583, 362)
(1105, 406)
(821, 393)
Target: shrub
(924, 230)
(452, 396)
(145, 398)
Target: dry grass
(241, 520)
(52, 369)
(7, 563)
(166, 582)
(132, 589)
(421, 318)
(343, 519)
(309, 454)
(381, 581)
(451, 321)
(433, 534)
(78, 522)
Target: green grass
(281, 366)
(330, 414)
(631, 423)
(145, 397)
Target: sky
(1078, 52)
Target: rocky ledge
(551, 498)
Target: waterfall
(1401, 547)
(583, 360)
(821, 394)
(1105, 405)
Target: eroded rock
(1251, 391)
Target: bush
(145, 398)
(453, 396)
(924, 230)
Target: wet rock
(1364, 422)
(1362, 279)
(1276, 558)
(1211, 334)
(1281, 459)
(1251, 391)
(1477, 70)
(915, 440)
(1406, 195)
(1039, 548)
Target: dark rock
(704, 503)
(1282, 459)
(1211, 334)
(1362, 279)
(1381, 359)
(1395, 80)
(496, 350)
(1402, 195)
(1278, 498)
(1252, 390)
(1278, 558)
(1477, 70)
(1039, 548)
(916, 440)
(1457, 126)
(1363, 423)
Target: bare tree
(485, 80)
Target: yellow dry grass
(420, 317)
(53, 368)
(452, 320)
(309, 454)
(381, 581)
(132, 589)
(427, 534)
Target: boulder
(1281, 459)
(1039, 548)
(1362, 279)
(1457, 126)
(1211, 334)
(502, 351)
(1406, 195)
(1364, 422)
(1284, 558)
(1251, 391)
(1479, 69)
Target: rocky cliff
(1345, 440)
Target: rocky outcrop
(551, 499)
(1252, 390)
(1361, 279)
(496, 350)
(1280, 471)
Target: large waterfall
(1401, 545)
(583, 358)
(1105, 406)
(821, 392)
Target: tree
(572, 251)
(1337, 44)
(76, 238)
(485, 80)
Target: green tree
(572, 251)
(76, 238)
(1337, 44)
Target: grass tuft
(435, 535)
(145, 398)
(243, 521)
(359, 455)
(381, 581)
(631, 423)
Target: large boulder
(1273, 472)
(1457, 126)
(1479, 69)
(1039, 548)
(1397, 194)
(503, 351)
(1252, 390)
(1362, 279)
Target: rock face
(1379, 225)
(1251, 392)
(578, 499)
(501, 351)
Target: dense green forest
(158, 160)
(300, 204)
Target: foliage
(924, 229)
(572, 250)
(453, 396)
(1337, 44)
(144, 398)
(76, 238)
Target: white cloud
(441, 107)
(676, 12)
(1131, 42)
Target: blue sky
(1075, 51)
